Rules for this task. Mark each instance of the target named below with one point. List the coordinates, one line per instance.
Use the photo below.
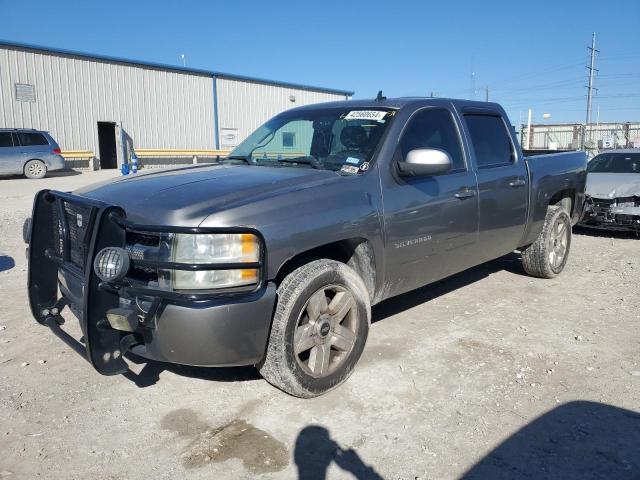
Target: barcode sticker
(375, 115)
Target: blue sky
(529, 54)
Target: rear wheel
(319, 329)
(35, 169)
(547, 256)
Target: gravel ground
(489, 374)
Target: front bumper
(613, 213)
(205, 329)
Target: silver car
(31, 153)
(613, 190)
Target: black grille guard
(107, 226)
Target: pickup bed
(274, 256)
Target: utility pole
(486, 94)
(592, 69)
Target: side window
(32, 139)
(433, 128)
(5, 139)
(490, 140)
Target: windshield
(615, 163)
(339, 139)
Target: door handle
(518, 182)
(465, 192)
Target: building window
(288, 139)
(25, 92)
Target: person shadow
(315, 450)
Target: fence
(569, 136)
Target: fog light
(123, 319)
(111, 264)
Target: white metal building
(105, 105)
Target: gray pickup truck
(274, 256)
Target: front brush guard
(102, 344)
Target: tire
(328, 346)
(26, 230)
(547, 256)
(35, 169)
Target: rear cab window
(490, 139)
(30, 139)
(6, 139)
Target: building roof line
(176, 68)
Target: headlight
(215, 248)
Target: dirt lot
(489, 374)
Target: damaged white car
(613, 190)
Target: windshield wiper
(307, 160)
(238, 157)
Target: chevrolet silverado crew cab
(274, 256)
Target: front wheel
(547, 256)
(319, 329)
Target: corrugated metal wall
(156, 108)
(244, 105)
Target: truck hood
(613, 185)
(186, 196)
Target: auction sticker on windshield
(375, 115)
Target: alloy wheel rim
(35, 169)
(326, 330)
(558, 243)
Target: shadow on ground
(150, 373)
(511, 263)
(578, 440)
(64, 173)
(606, 232)
(6, 263)
(315, 451)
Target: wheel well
(30, 159)
(566, 199)
(355, 252)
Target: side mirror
(425, 161)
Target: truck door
(503, 184)
(431, 222)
